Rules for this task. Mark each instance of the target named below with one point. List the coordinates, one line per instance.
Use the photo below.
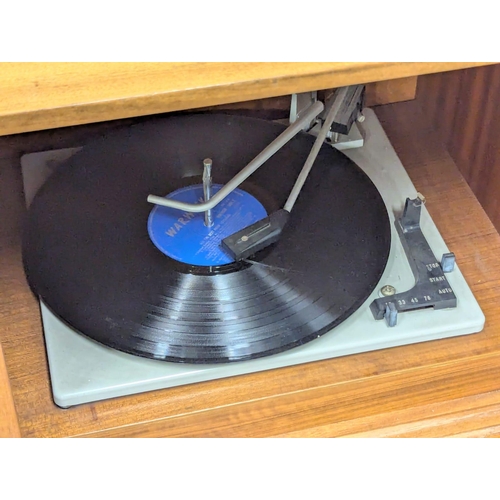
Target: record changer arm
(310, 114)
(267, 231)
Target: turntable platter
(89, 256)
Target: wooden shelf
(447, 387)
(37, 96)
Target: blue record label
(183, 236)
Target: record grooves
(88, 255)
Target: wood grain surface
(37, 96)
(9, 426)
(464, 108)
(389, 91)
(442, 388)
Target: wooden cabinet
(447, 387)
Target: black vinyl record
(88, 254)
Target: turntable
(359, 266)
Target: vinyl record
(92, 255)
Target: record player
(382, 258)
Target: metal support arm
(262, 157)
